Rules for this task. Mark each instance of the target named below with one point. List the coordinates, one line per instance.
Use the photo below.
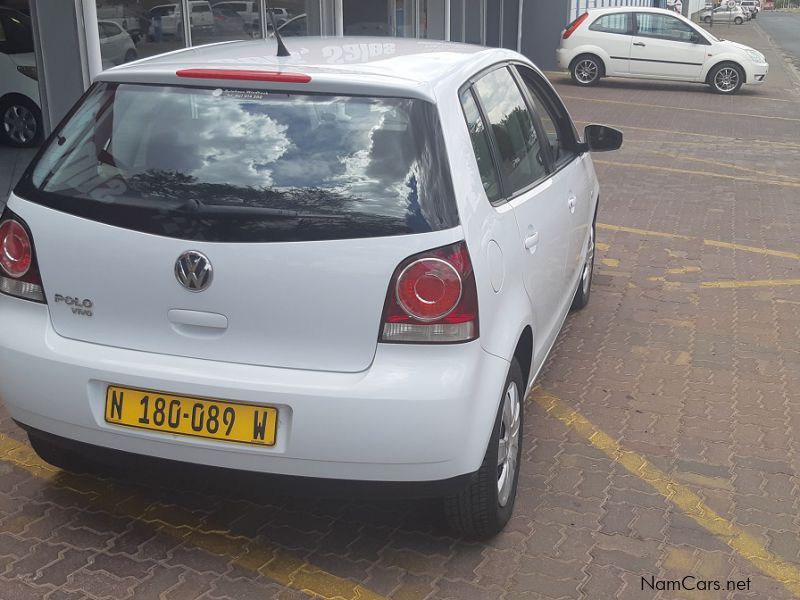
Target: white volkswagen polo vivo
(653, 43)
(349, 263)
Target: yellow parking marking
(673, 134)
(742, 543)
(793, 184)
(683, 270)
(731, 284)
(645, 232)
(753, 249)
(272, 562)
(610, 262)
(684, 108)
(601, 246)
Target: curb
(793, 70)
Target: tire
(483, 507)
(726, 78)
(581, 298)
(20, 122)
(60, 457)
(738, 20)
(706, 19)
(130, 55)
(586, 70)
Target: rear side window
(517, 141)
(230, 165)
(614, 23)
(480, 146)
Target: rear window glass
(246, 165)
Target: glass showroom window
(131, 29)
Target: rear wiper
(222, 210)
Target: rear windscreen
(231, 165)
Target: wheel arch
(11, 95)
(523, 353)
(723, 61)
(599, 53)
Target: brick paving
(698, 378)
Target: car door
(542, 217)
(573, 179)
(614, 34)
(667, 47)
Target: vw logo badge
(193, 271)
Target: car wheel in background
(726, 78)
(738, 20)
(586, 69)
(585, 284)
(130, 55)
(706, 19)
(484, 506)
(20, 122)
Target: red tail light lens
(432, 298)
(16, 253)
(19, 273)
(574, 25)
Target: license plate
(196, 417)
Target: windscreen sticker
(240, 94)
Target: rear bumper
(419, 413)
(563, 58)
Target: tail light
(432, 298)
(574, 25)
(19, 271)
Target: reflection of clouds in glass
(236, 141)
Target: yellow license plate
(196, 417)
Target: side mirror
(600, 138)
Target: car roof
(639, 9)
(375, 65)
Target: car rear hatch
(235, 224)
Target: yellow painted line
(700, 173)
(731, 284)
(742, 543)
(272, 562)
(753, 249)
(645, 232)
(685, 108)
(683, 270)
(672, 133)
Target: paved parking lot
(663, 440)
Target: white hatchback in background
(116, 45)
(20, 115)
(653, 43)
(167, 19)
(333, 265)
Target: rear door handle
(642, 44)
(571, 204)
(532, 240)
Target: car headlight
(28, 71)
(755, 56)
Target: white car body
(295, 325)
(116, 45)
(629, 54)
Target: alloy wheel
(586, 277)
(586, 71)
(508, 446)
(726, 79)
